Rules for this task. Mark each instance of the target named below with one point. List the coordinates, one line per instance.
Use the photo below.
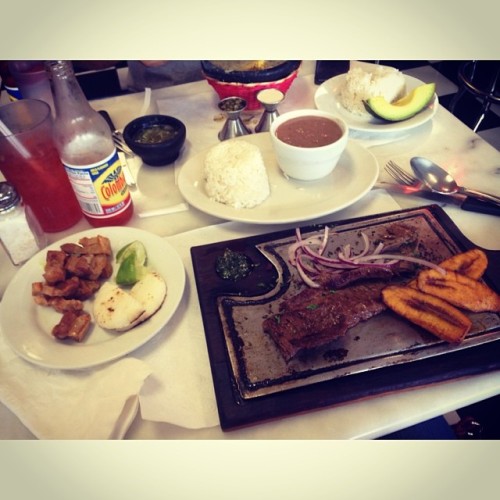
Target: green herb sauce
(233, 265)
(155, 134)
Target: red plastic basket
(248, 91)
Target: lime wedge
(132, 259)
(135, 247)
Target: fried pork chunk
(73, 325)
(55, 270)
(72, 275)
(96, 245)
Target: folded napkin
(86, 404)
(180, 389)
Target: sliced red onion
(396, 258)
(309, 260)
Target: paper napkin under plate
(88, 404)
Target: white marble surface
(446, 140)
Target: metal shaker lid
(9, 198)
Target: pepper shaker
(234, 126)
(20, 233)
(269, 98)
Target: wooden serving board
(386, 353)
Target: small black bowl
(157, 139)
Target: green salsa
(233, 265)
(155, 134)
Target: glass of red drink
(30, 161)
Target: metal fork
(122, 145)
(402, 177)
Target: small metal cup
(234, 126)
(269, 98)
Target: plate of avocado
(418, 106)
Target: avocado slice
(403, 108)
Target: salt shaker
(20, 233)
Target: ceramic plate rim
(190, 183)
(32, 341)
(358, 123)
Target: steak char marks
(315, 317)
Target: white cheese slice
(120, 310)
(150, 292)
(115, 309)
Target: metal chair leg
(486, 96)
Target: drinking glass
(30, 161)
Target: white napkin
(88, 404)
(180, 389)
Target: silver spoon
(440, 181)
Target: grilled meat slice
(315, 317)
(342, 279)
(399, 238)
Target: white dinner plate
(290, 200)
(326, 99)
(27, 326)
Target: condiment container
(269, 98)
(20, 233)
(234, 126)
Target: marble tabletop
(445, 139)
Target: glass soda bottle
(87, 151)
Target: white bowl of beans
(308, 143)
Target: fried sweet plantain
(472, 263)
(431, 313)
(459, 290)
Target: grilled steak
(315, 317)
(342, 279)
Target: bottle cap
(9, 198)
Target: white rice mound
(359, 85)
(235, 174)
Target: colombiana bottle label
(100, 187)
(13, 92)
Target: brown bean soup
(309, 131)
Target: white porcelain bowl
(308, 163)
